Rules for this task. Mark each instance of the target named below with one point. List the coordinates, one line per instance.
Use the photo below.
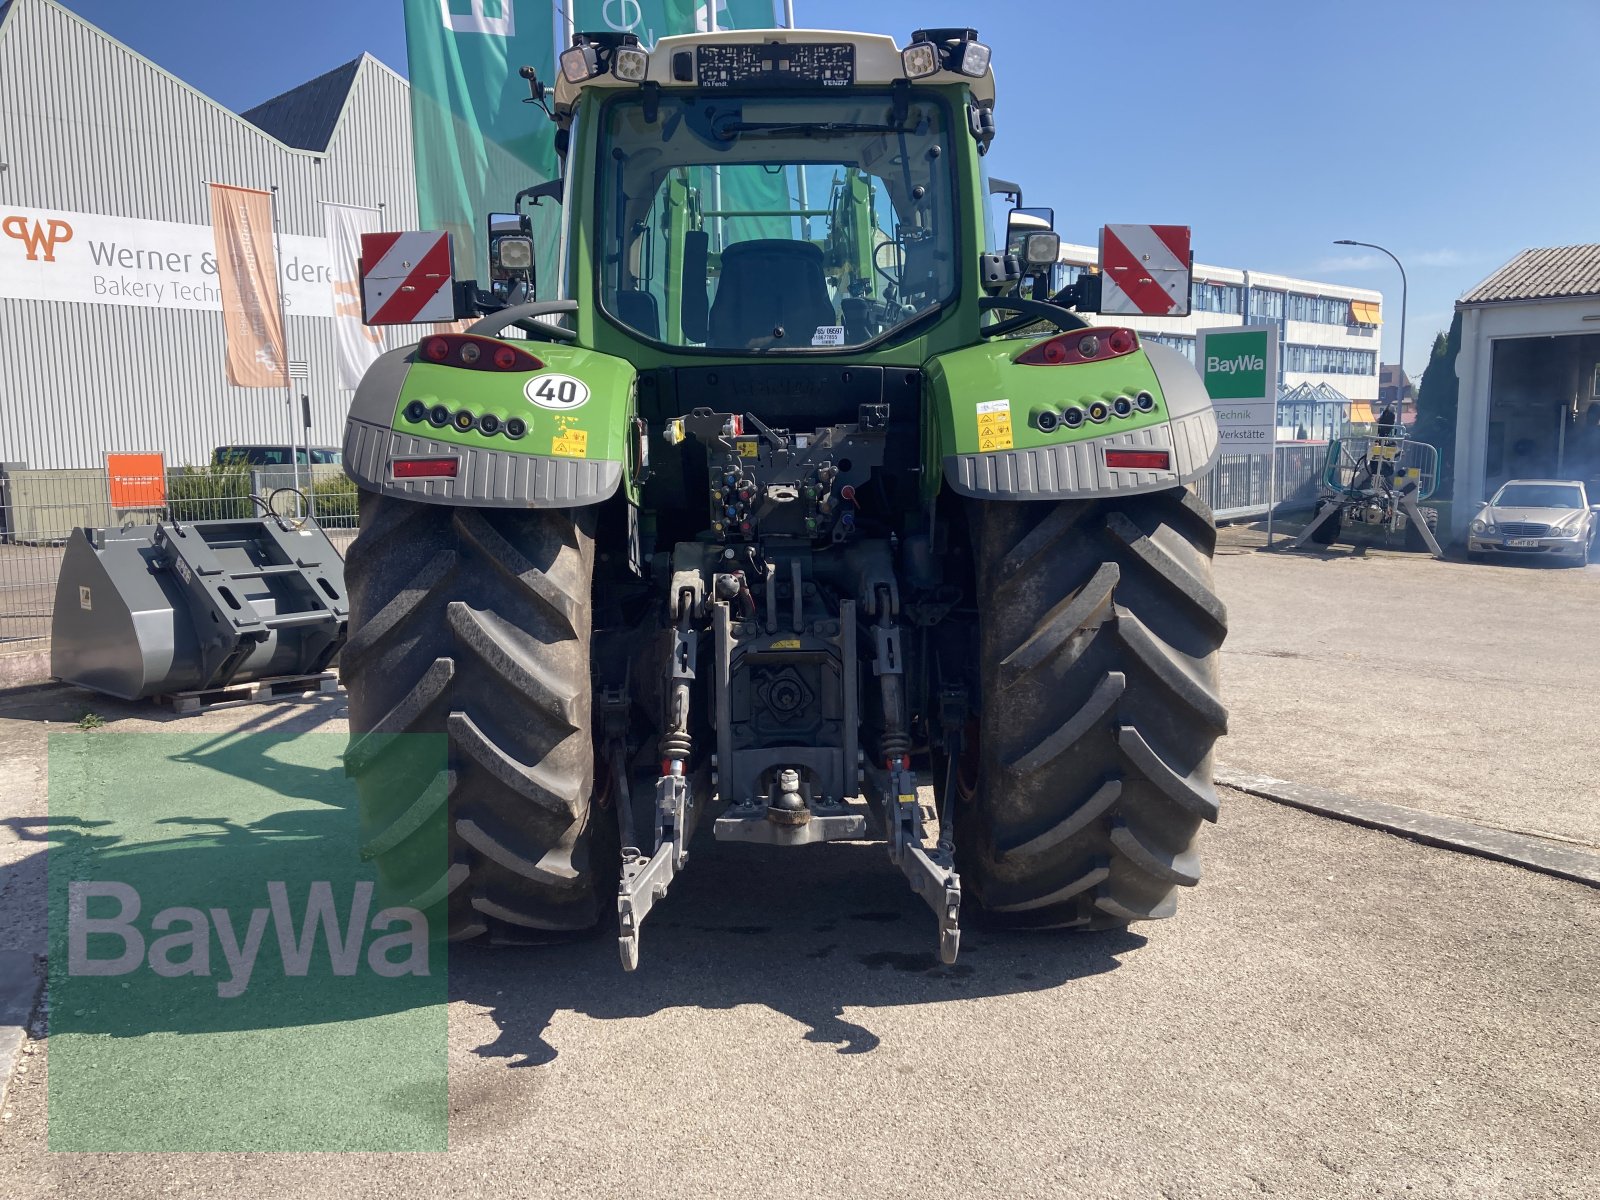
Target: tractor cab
(772, 192)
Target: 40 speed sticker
(557, 392)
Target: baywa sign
(89, 258)
(184, 946)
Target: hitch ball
(788, 806)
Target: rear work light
(1140, 460)
(478, 353)
(1080, 346)
(425, 468)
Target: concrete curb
(24, 668)
(20, 982)
(1450, 833)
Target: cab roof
(877, 61)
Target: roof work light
(935, 50)
(593, 54)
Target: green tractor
(792, 498)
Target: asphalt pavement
(1459, 688)
(1335, 1011)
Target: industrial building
(112, 317)
(1529, 375)
(1328, 336)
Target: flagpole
(283, 324)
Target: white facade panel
(89, 127)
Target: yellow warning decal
(748, 447)
(907, 799)
(786, 644)
(994, 425)
(571, 443)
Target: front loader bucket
(156, 609)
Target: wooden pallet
(258, 691)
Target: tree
(1436, 402)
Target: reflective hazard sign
(406, 277)
(1145, 270)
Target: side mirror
(511, 257)
(1034, 246)
(1022, 223)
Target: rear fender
(987, 437)
(577, 447)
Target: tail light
(425, 468)
(478, 353)
(1081, 346)
(1139, 460)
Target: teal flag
(477, 144)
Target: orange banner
(136, 480)
(247, 273)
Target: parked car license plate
(1522, 542)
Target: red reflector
(1148, 460)
(425, 468)
(1080, 346)
(478, 353)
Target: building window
(1184, 345)
(1266, 303)
(1066, 274)
(1329, 360)
(1218, 298)
(1324, 310)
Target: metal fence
(1237, 486)
(40, 509)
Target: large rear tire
(475, 624)
(1098, 632)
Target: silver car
(1536, 518)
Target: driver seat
(766, 284)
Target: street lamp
(1401, 384)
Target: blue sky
(1454, 134)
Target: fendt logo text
(37, 236)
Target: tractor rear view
(792, 497)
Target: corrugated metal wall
(87, 125)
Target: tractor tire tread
(1097, 708)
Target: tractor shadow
(807, 933)
(812, 933)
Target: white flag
(358, 345)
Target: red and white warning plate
(1145, 270)
(406, 278)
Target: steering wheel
(1032, 312)
(525, 317)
